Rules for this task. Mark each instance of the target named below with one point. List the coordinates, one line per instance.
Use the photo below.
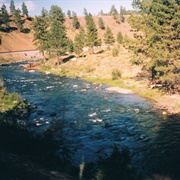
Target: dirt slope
(16, 41)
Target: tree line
(15, 15)
(50, 34)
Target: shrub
(116, 74)
(115, 52)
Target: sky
(92, 6)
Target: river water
(96, 119)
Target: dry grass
(98, 68)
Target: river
(95, 119)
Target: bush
(115, 52)
(116, 74)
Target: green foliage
(79, 42)
(17, 19)
(56, 13)
(92, 33)
(75, 21)
(116, 74)
(113, 11)
(69, 14)
(119, 37)
(44, 13)
(59, 40)
(122, 13)
(101, 24)
(4, 18)
(70, 46)
(24, 10)
(41, 34)
(108, 36)
(159, 21)
(12, 7)
(9, 101)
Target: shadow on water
(163, 154)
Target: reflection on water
(95, 119)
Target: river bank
(99, 68)
(103, 68)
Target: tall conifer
(24, 10)
(160, 22)
(92, 33)
(109, 37)
(12, 7)
(41, 35)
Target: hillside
(16, 41)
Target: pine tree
(75, 21)
(109, 37)
(69, 14)
(44, 13)
(17, 19)
(119, 38)
(85, 12)
(59, 40)
(5, 18)
(70, 46)
(92, 34)
(12, 7)
(41, 35)
(56, 13)
(101, 24)
(113, 10)
(160, 22)
(122, 13)
(79, 42)
(24, 10)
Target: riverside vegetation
(121, 61)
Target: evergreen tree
(41, 35)
(113, 10)
(75, 21)
(79, 42)
(85, 12)
(160, 22)
(109, 37)
(24, 10)
(56, 13)
(44, 13)
(92, 34)
(59, 40)
(12, 7)
(122, 13)
(5, 18)
(17, 19)
(69, 14)
(119, 38)
(70, 46)
(101, 23)
(115, 14)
